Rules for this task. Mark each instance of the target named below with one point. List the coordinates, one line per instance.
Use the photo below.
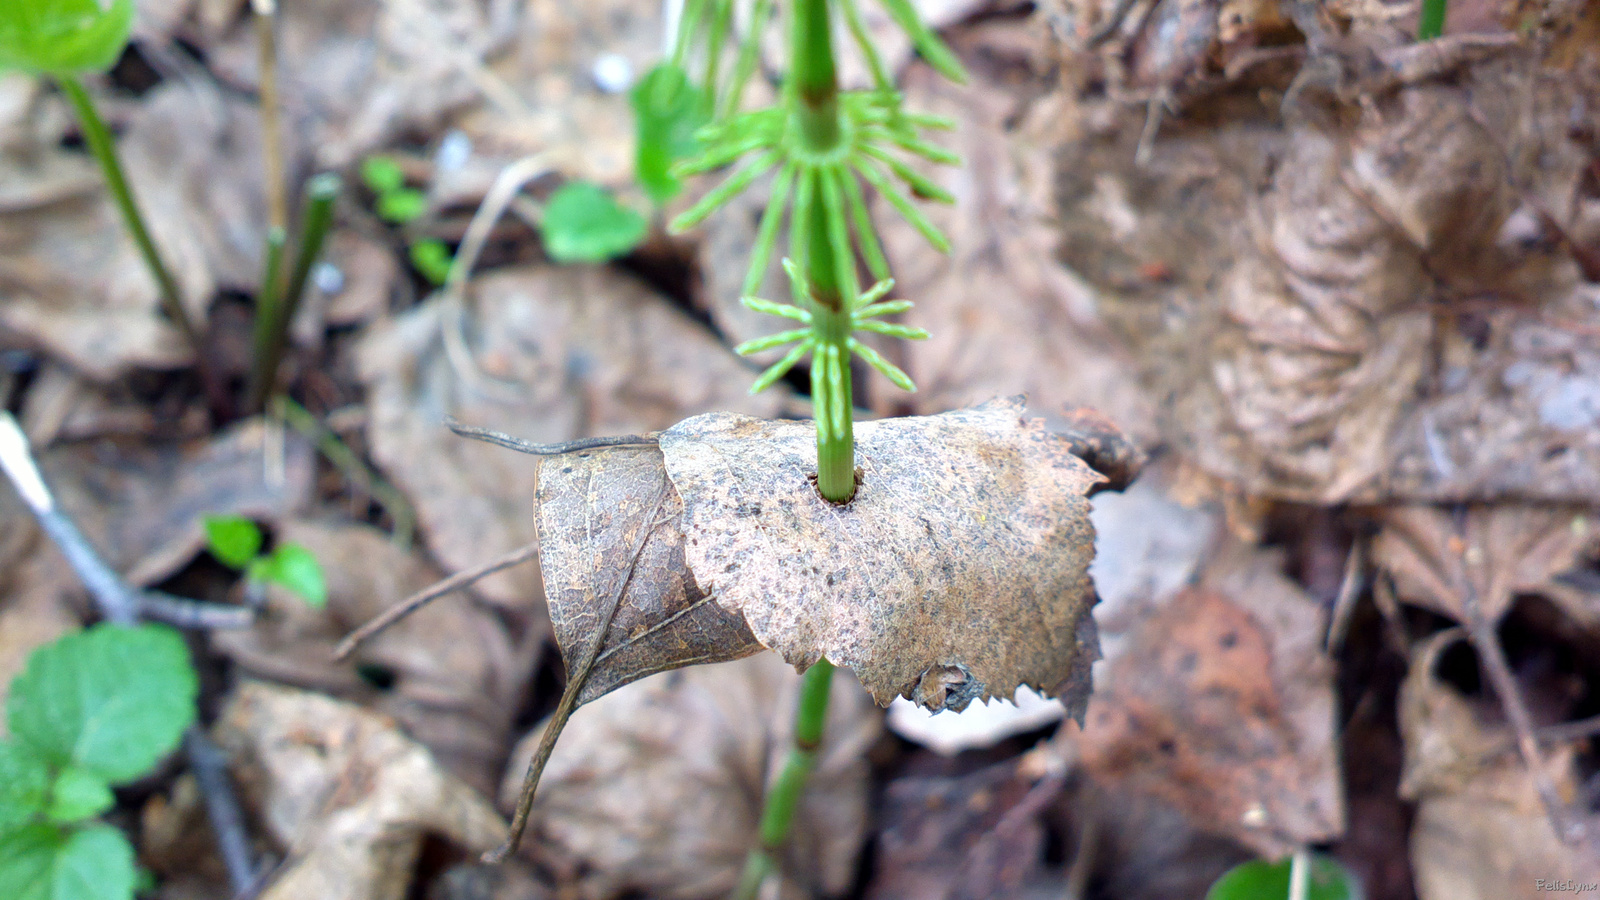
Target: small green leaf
(233, 540)
(63, 37)
(24, 784)
(382, 174)
(78, 795)
(293, 567)
(402, 205)
(1261, 880)
(42, 862)
(432, 259)
(584, 223)
(667, 110)
(110, 700)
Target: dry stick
(271, 127)
(427, 595)
(123, 604)
(1481, 634)
(576, 679)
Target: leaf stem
(98, 137)
(784, 797)
(1430, 23)
(275, 309)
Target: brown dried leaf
(1481, 830)
(345, 794)
(456, 676)
(33, 578)
(972, 837)
(1365, 295)
(1221, 704)
(958, 571)
(592, 506)
(1469, 568)
(364, 72)
(551, 353)
(657, 788)
(1004, 315)
(142, 504)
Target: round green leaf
(402, 205)
(24, 784)
(63, 37)
(382, 174)
(95, 864)
(293, 566)
(1261, 880)
(78, 795)
(432, 258)
(233, 540)
(110, 700)
(584, 223)
(27, 858)
(667, 111)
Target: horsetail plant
(824, 144)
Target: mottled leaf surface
(958, 571)
(592, 506)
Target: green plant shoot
(95, 709)
(236, 543)
(583, 223)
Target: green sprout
(236, 543)
(95, 709)
(1320, 878)
(583, 223)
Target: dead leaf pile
(1372, 284)
(657, 787)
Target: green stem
(98, 136)
(813, 76)
(1430, 24)
(275, 309)
(784, 798)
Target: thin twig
(576, 678)
(350, 465)
(194, 615)
(501, 439)
(428, 594)
(121, 603)
(271, 120)
(1299, 874)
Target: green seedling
(584, 223)
(667, 111)
(1430, 21)
(1324, 879)
(236, 543)
(93, 710)
(398, 204)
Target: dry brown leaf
(551, 353)
(1481, 830)
(973, 837)
(958, 572)
(345, 794)
(657, 787)
(1469, 567)
(1365, 294)
(1004, 315)
(594, 509)
(1221, 704)
(357, 75)
(141, 504)
(454, 677)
